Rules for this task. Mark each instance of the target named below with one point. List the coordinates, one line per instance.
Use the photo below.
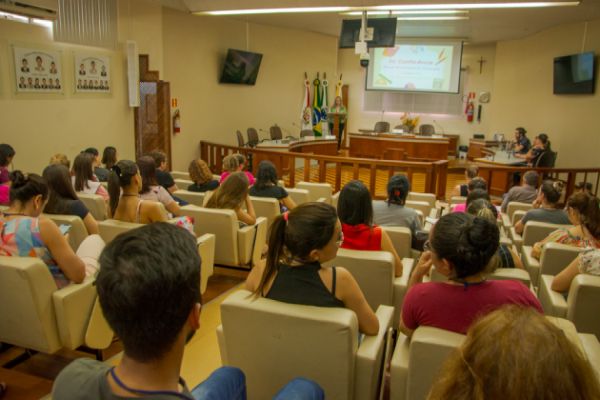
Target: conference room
(378, 148)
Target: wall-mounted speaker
(133, 73)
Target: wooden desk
(380, 146)
(501, 181)
(325, 146)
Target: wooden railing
(315, 167)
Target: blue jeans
(229, 383)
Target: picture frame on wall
(37, 70)
(92, 73)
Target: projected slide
(415, 67)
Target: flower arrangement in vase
(409, 121)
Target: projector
(364, 60)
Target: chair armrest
(553, 303)
(591, 349)
(401, 287)
(222, 346)
(532, 265)
(504, 218)
(321, 200)
(206, 250)
(99, 334)
(369, 357)
(73, 307)
(246, 253)
(433, 213)
(399, 368)
(334, 199)
(516, 238)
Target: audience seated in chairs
(461, 247)
(392, 211)
(202, 177)
(235, 163)
(584, 213)
(587, 262)
(83, 178)
(25, 233)
(545, 207)
(93, 152)
(266, 186)
(299, 242)
(585, 187)
(540, 155)
(478, 184)
(109, 158)
(462, 190)
(163, 176)
(525, 193)
(505, 257)
(233, 195)
(61, 159)
(356, 215)
(516, 353)
(151, 190)
(133, 265)
(124, 185)
(62, 198)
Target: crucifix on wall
(481, 62)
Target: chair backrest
(316, 190)
(194, 198)
(556, 256)
(95, 204)
(306, 132)
(183, 183)
(582, 303)
(517, 205)
(252, 137)
(299, 196)
(428, 197)
(274, 342)
(180, 175)
(422, 206)
(429, 348)
(457, 200)
(517, 216)
(27, 312)
(426, 129)
(514, 274)
(401, 238)
(275, 133)
(373, 270)
(266, 207)
(78, 231)
(240, 138)
(111, 228)
(381, 126)
(535, 231)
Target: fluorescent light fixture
(409, 12)
(455, 18)
(417, 8)
(276, 11)
(475, 6)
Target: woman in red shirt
(355, 210)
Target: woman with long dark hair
(151, 190)
(83, 176)
(62, 199)
(266, 186)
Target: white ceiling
(482, 26)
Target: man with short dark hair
(163, 177)
(526, 193)
(149, 289)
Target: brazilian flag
(317, 104)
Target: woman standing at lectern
(338, 108)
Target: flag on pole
(306, 113)
(317, 102)
(338, 88)
(324, 107)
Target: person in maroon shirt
(460, 247)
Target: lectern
(336, 127)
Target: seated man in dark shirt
(163, 177)
(149, 289)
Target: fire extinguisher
(176, 122)
(470, 111)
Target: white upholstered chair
(180, 175)
(194, 198)
(316, 191)
(427, 197)
(298, 196)
(533, 232)
(78, 231)
(266, 207)
(274, 342)
(554, 258)
(95, 204)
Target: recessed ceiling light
(429, 18)
(276, 11)
(476, 6)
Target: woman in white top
(83, 177)
(151, 190)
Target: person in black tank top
(299, 242)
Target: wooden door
(153, 116)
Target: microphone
(440, 126)
(382, 114)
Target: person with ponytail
(355, 209)
(545, 207)
(124, 185)
(300, 241)
(584, 213)
(460, 247)
(25, 233)
(393, 212)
